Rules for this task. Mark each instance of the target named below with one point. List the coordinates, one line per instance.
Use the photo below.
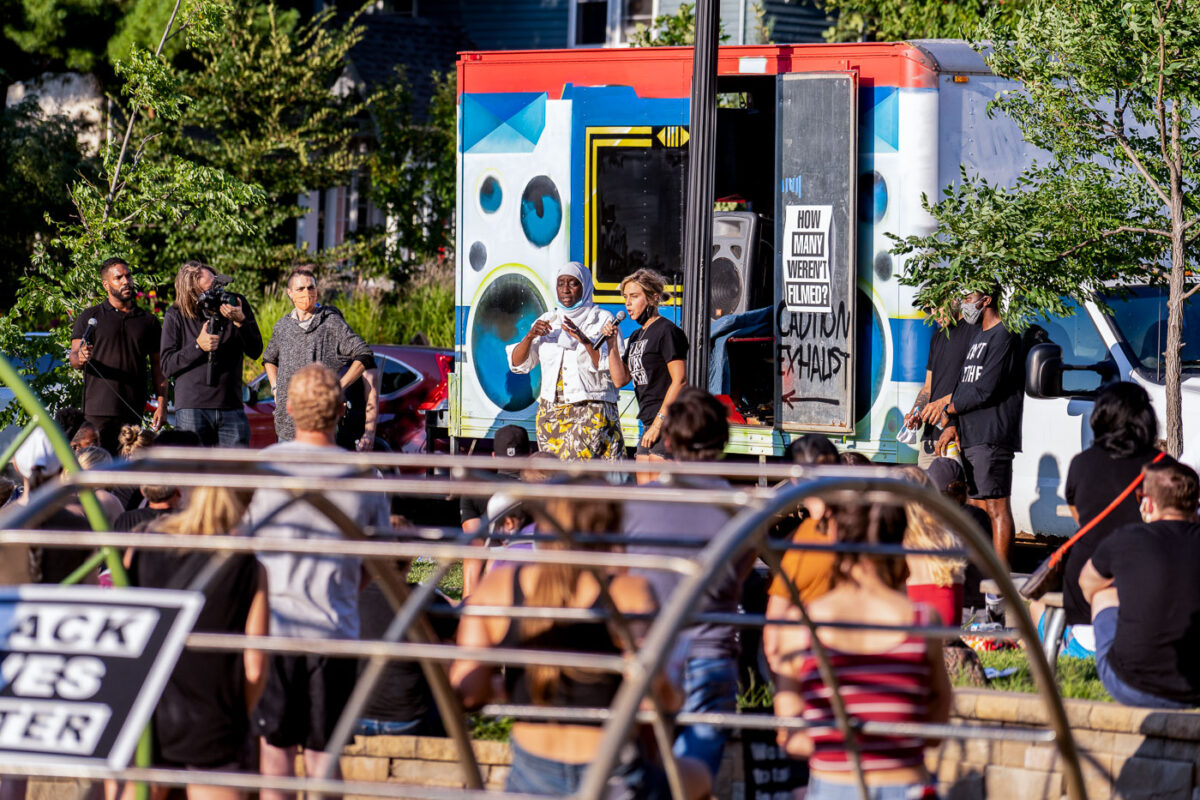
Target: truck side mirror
(1044, 371)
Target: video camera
(209, 302)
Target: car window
(396, 376)
(1081, 345)
(260, 390)
(1140, 314)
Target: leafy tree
(672, 30)
(266, 110)
(412, 175)
(895, 20)
(132, 196)
(57, 35)
(39, 158)
(1110, 89)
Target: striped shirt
(891, 686)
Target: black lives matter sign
(82, 668)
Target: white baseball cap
(36, 453)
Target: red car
(412, 381)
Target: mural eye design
(872, 197)
(490, 195)
(478, 256)
(504, 312)
(541, 211)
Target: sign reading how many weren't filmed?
(82, 667)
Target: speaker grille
(725, 288)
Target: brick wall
(1128, 753)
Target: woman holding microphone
(654, 359)
(577, 408)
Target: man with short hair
(310, 333)
(696, 430)
(1141, 584)
(311, 596)
(124, 339)
(208, 397)
(985, 413)
(160, 501)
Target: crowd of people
(1125, 585)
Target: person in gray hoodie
(313, 333)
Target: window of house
(609, 22)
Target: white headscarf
(36, 453)
(578, 312)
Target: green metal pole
(91, 508)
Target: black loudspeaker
(735, 234)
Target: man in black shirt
(947, 350)
(120, 342)
(985, 411)
(208, 404)
(1141, 584)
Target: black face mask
(644, 317)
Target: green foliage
(672, 30)
(1110, 89)
(413, 179)
(39, 158)
(57, 35)
(132, 196)
(897, 20)
(263, 111)
(489, 729)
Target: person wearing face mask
(1141, 584)
(655, 359)
(577, 414)
(985, 413)
(947, 349)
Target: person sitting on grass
(1141, 584)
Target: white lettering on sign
(806, 269)
(98, 630)
(43, 675)
(51, 727)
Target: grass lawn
(1077, 678)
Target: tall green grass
(425, 307)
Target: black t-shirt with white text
(116, 377)
(991, 390)
(647, 354)
(1154, 566)
(946, 354)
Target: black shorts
(989, 470)
(303, 699)
(659, 448)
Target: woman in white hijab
(577, 408)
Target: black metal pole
(697, 223)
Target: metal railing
(410, 636)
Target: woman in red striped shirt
(882, 676)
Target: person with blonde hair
(312, 596)
(204, 342)
(550, 758)
(202, 720)
(654, 358)
(933, 580)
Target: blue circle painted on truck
(541, 211)
(504, 311)
(490, 195)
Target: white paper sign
(806, 278)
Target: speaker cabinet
(735, 236)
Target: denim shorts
(633, 778)
(828, 790)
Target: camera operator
(206, 333)
(111, 343)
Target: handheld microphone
(616, 321)
(89, 334)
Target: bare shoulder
(494, 589)
(632, 594)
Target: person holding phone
(577, 407)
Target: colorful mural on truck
(572, 155)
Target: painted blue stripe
(460, 325)
(910, 346)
